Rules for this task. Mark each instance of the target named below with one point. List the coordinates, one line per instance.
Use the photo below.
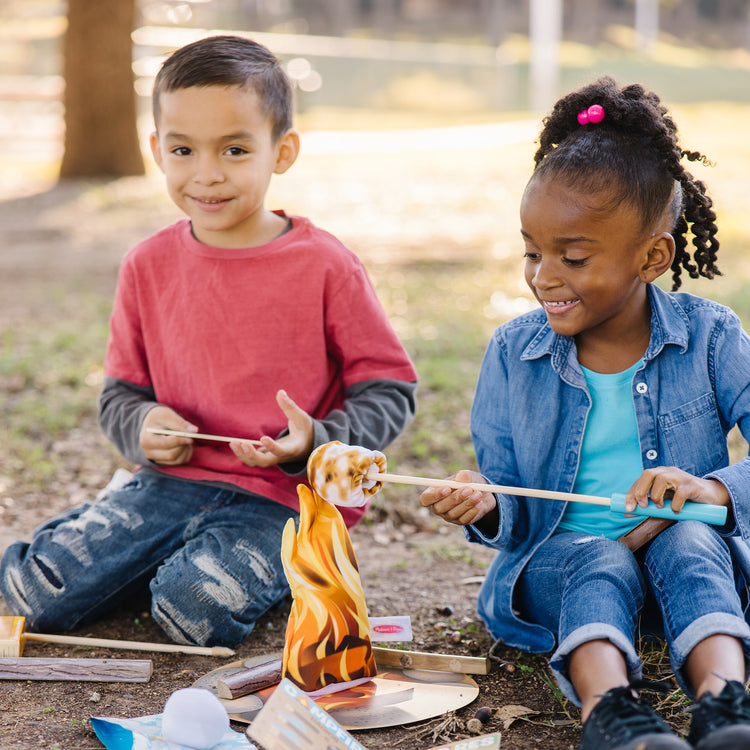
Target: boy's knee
(197, 600)
(32, 586)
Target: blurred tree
(646, 24)
(101, 137)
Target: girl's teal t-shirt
(610, 459)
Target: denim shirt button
(641, 387)
(651, 455)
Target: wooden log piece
(393, 657)
(254, 678)
(85, 670)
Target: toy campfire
(327, 646)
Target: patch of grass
(441, 310)
(50, 376)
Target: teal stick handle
(714, 514)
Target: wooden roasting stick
(268, 672)
(715, 514)
(200, 436)
(83, 670)
(173, 648)
(13, 637)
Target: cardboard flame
(327, 640)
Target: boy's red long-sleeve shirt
(215, 333)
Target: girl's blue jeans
(210, 556)
(587, 588)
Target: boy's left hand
(668, 482)
(296, 445)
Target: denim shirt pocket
(693, 436)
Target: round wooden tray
(393, 697)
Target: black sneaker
(722, 722)
(620, 721)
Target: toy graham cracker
(327, 646)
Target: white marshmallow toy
(194, 718)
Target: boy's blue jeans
(586, 588)
(210, 556)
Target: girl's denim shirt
(529, 415)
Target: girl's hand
(167, 450)
(294, 446)
(665, 482)
(463, 506)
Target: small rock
(474, 726)
(484, 714)
(95, 697)
(184, 674)
(446, 610)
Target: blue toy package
(144, 733)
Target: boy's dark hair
(229, 61)
(634, 155)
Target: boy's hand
(167, 450)
(292, 447)
(665, 482)
(463, 506)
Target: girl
(616, 386)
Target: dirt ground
(63, 238)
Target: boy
(235, 321)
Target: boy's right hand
(168, 450)
(462, 506)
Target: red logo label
(388, 629)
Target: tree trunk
(545, 30)
(101, 135)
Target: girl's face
(584, 262)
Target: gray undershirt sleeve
(374, 414)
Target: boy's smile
(584, 263)
(215, 147)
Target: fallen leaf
(508, 714)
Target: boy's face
(215, 147)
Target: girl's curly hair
(633, 155)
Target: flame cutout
(355, 697)
(337, 473)
(328, 633)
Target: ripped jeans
(587, 588)
(210, 556)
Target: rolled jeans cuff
(595, 631)
(716, 623)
